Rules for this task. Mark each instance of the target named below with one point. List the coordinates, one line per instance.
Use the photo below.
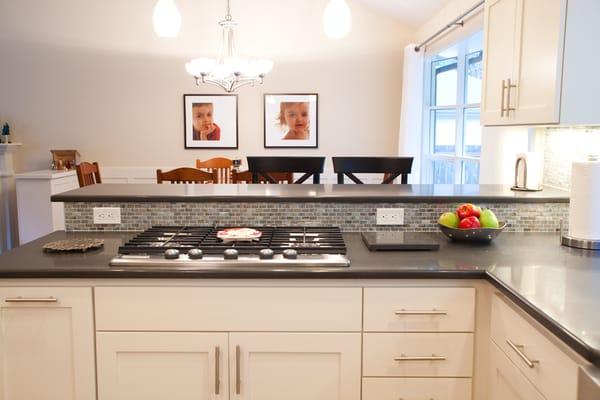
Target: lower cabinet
(417, 388)
(46, 344)
(252, 366)
(162, 365)
(506, 381)
(294, 366)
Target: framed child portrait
(210, 121)
(291, 121)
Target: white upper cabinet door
(507, 382)
(162, 365)
(535, 97)
(295, 366)
(46, 344)
(500, 41)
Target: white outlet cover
(107, 215)
(390, 216)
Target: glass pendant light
(337, 19)
(166, 19)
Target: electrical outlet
(107, 215)
(390, 216)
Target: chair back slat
(220, 165)
(266, 168)
(185, 175)
(390, 167)
(246, 177)
(88, 173)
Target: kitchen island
(392, 324)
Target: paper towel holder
(523, 188)
(570, 241)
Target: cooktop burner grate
(306, 240)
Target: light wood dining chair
(219, 165)
(88, 173)
(185, 175)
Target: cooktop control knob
(290, 254)
(195, 254)
(266, 254)
(231, 254)
(172, 254)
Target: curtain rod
(457, 21)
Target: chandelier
(228, 72)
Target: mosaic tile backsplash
(350, 217)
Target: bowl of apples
(471, 223)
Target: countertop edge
(66, 198)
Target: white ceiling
(410, 12)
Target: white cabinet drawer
(552, 371)
(228, 309)
(419, 309)
(416, 388)
(506, 381)
(418, 354)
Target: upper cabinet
(541, 62)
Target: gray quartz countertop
(556, 285)
(304, 193)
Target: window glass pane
(473, 77)
(443, 171)
(472, 138)
(470, 172)
(444, 85)
(444, 131)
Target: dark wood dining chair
(185, 175)
(265, 167)
(88, 173)
(219, 165)
(390, 167)
(246, 177)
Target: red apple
(468, 210)
(469, 223)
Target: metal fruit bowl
(473, 235)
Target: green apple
(488, 219)
(449, 219)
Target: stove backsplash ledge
(350, 217)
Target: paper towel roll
(584, 210)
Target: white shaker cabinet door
(46, 344)
(507, 382)
(294, 366)
(500, 43)
(538, 75)
(162, 365)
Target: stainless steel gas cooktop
(198, 247)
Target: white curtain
(411, 114)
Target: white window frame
(428, 156)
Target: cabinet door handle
(20, 299)
(432, 357)
(509, 86)
(519, 350)
(502, 101)
(217, 369)
(238, 382)
(421, 312)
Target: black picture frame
(190, 143)
(268, 122)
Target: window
(452, 135)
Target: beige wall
(92, 75)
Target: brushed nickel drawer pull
(238, 382)
(432, 357)
(421, 312)
(217, 369)
(502, 101)
(20, 299)
(519, 350)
